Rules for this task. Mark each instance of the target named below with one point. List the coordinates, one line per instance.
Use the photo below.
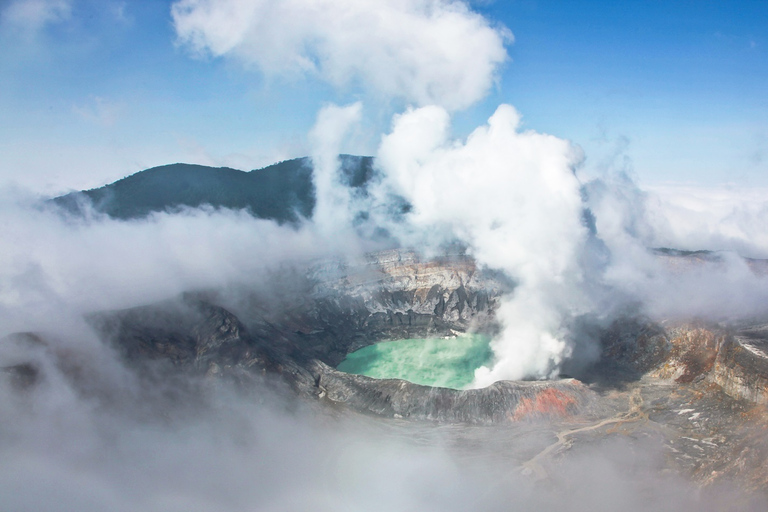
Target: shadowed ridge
(283, 192)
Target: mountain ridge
(283, 191)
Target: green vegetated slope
(283, 191)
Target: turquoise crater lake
(440, 362)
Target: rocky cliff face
(395, 295)
(389, 295)
(502, 402)
(731, 357)
(741, 366)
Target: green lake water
(448, 363)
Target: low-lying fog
(95, 435)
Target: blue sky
(672, 91)
(682, 82)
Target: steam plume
(333, 201)
(512, 196)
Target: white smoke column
(332, 212)
(420, 51)
(512, 196)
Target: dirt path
(534, 467)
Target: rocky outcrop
(741, 369)
(190, 333)
(733, 358)
(451, 288)
(634, 346)
(693, 350)
(21, 376)
(500, 402)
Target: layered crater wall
(342, 307)
(335, 308)
(396, 294)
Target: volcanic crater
(700, 389)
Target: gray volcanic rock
(22, 376)
(396, 295)
(188, 332)
(500, 402)
(741, 365)
(213, 342)
(733, 358)
(389, 295)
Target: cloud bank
(55, 268)
(724, 218)
(94, 435)
(421, 51)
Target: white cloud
(103, 437)
(32, 15)
(422, 51)
(630, 221)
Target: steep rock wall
(392, 295)
(742, 370)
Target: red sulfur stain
(549, 402)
